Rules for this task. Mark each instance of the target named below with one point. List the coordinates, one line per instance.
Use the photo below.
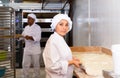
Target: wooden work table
(90, 49)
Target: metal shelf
(48, 20)
(4, 28)
(46, 30)
(7, 41)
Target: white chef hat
(32, 16)
(57, 18)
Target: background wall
(96, 23)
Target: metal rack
(7, 40)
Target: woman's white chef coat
(32, 47)
(56, 55)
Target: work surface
(94, 60)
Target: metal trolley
(7, 42)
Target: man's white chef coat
(32, 47)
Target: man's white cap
(32, 16)
(57, 18)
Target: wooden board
(91, 49)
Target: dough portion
(94, 63)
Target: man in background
(32, 50)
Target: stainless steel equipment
(7, 42)
(110, 74)
(96, 23)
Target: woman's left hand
(75, 62)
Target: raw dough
(94, 63)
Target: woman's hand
(76, 62)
